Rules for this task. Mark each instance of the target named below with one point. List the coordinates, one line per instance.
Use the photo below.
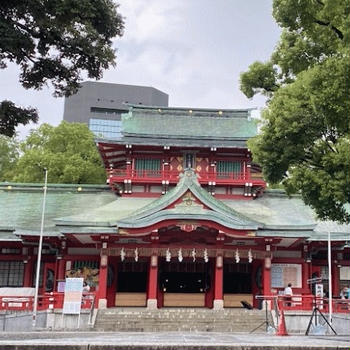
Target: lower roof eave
(285, 233)
(88, 230)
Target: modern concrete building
(100, 105)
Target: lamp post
(35, 306)
(330, 299)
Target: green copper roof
(21, 205)
(277, 211)
(177, 123)
(95, 209)
(106, 215)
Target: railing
(307, 303)
(172, 176)
(47, 301)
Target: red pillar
(61, 271)
(218, 283)
(152, 282)
(335, 279)
(102, 283)
(306, 276)
(267, 276)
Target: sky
(194, 50)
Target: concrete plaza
(166, 340)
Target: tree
(305, 133)
(68, 152)
(9, 152)
(57, 41)
(11, 116)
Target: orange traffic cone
(281, 328)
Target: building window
(147, 167)
(11, 273)
(227, 168)
(11, 251)
(105, 127)
(109, 111)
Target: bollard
(281, 328)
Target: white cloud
(192, 50)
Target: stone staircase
(180, 320)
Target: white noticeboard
(282, 274)
(73, 293)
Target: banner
(73, 293)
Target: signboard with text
(73, 293)
(282, 274)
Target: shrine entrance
(131, 283)
(185, 284)
(237, 284)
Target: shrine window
(147, 167)
(11, 273)
(226, 168)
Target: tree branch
(328, 24)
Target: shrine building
(185, 221)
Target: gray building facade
(100, 105)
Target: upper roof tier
(144, 124)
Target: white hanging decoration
(237, 256)
(193, 254)
(122, 254)
(250, 256)
(167, 255)
(179, 255)
(205, 255)
(136, 251)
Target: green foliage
(68, 152)
(57, 41)
(261, 78)
(11, 116)
(305, 132)
(9, 152)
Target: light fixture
(154, 261)
(267, 262)
(104, 259)
(219, 261)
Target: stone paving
(166, 341)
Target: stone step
(178, 319)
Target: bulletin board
(282, 274)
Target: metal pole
(35, 306)
(330, 299)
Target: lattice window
(11, 273)
(147, 167)
(226, 168)
(89, 264)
